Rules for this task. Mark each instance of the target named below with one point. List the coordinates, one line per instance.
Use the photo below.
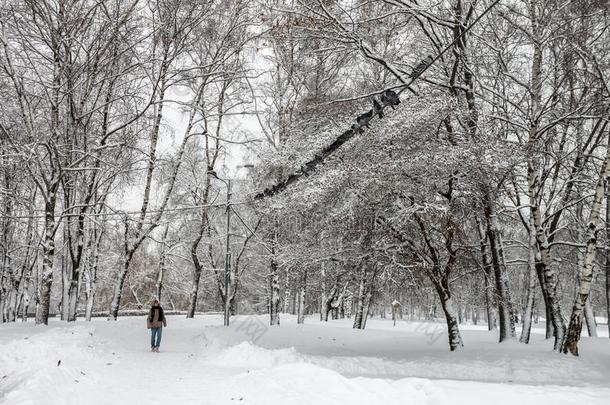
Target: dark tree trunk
(48, 252)
(505, 312)
(453, 330)
(531, 290)
(274, 282)
(301, 299)
(608, 255)
(491, 321)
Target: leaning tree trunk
(190, 313)
(453, 330)
(204, 226)
(585, 276)
(546, 272)
(133, 240)
(534, 180)
(588, 310)
(119, 283)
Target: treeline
(481, 196)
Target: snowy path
(202, 363)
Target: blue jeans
(155, 337)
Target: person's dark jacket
(156, 318)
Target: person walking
(155, 322)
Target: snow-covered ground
(202, 362)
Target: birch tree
(173, 22)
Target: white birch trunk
(453, 329)
(118, 286)
(585, 276)
(48, 253)
(359, 314)
(274, 299)
(590, 319)
(545, 264)
(25, 304)
(287, 291)
(323, 289)
(162, 263)
(531, 289)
